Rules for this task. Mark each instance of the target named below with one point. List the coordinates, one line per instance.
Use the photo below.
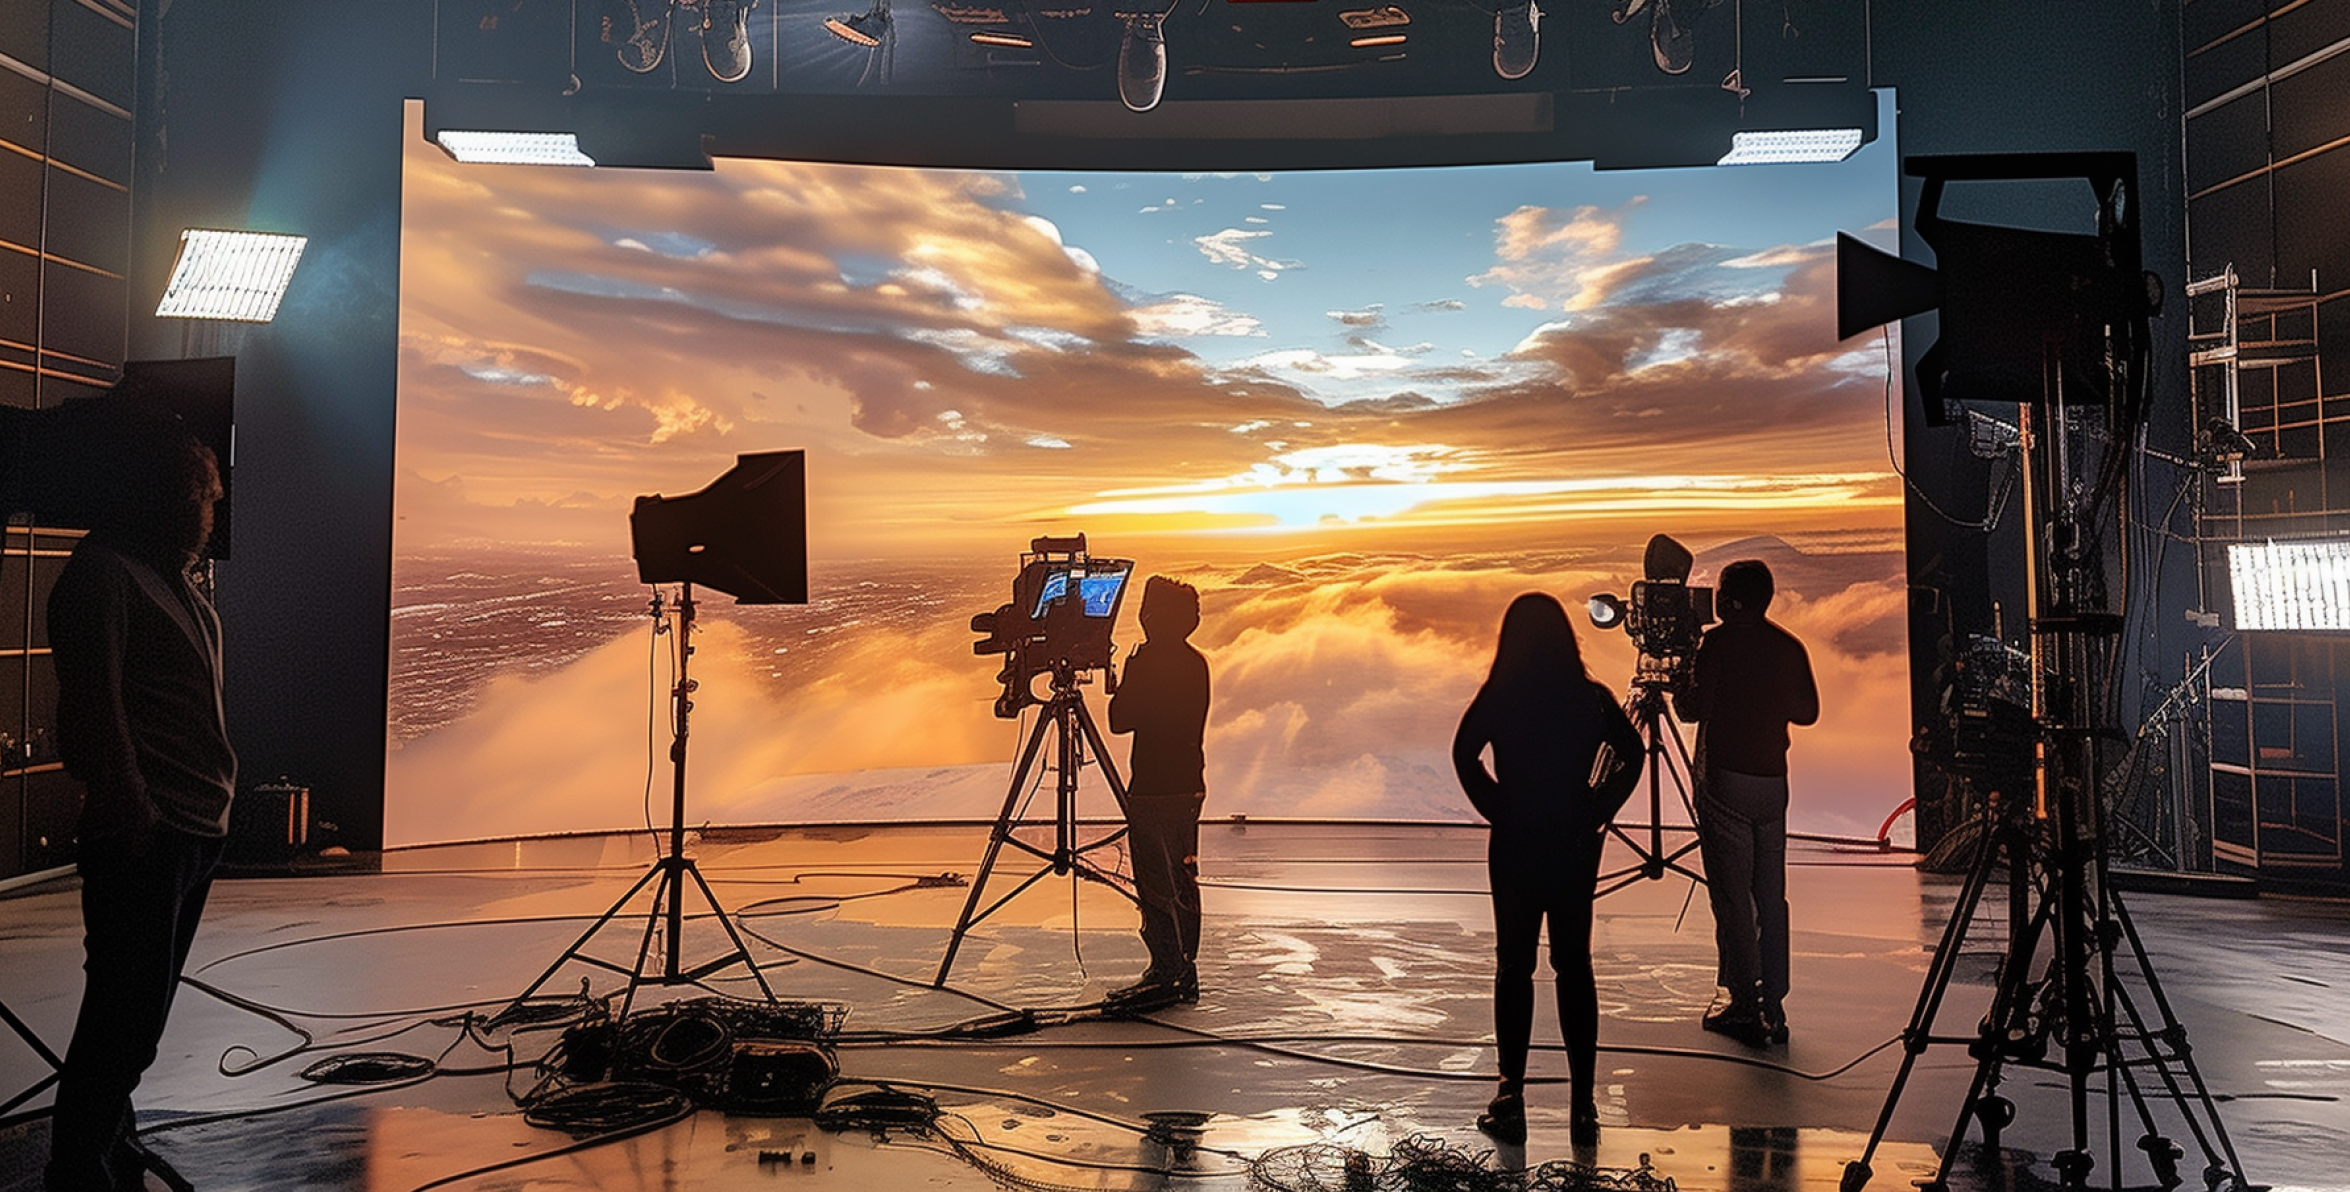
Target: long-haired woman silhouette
(1546, 722)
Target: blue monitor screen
(1101, 593)
(1056, 585)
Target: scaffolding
(2271, 798)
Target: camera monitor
(1103, 589)
(1055, 586)
(1099, 589)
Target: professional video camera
(1665, 616)
(1987, 734)
(1064, 603)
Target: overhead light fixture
(1784, 146)
(2291, 585)
(1377, 39)
(236, 276)
(1142, 62)
(1002, 39)
(513, 148)
(1375, 18)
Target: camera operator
(1163, 701)
(1749, 681)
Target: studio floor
(1345, 1002)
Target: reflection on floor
(1345, 1002)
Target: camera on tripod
(1665, 616)
(1064, 604)
(1987, 734)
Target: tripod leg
(2175, 1035)
(1004, 822)
(1685, 781)
(1101, 755)
(601, 922)
(1082, 722)
(644, 945)
(741, 951)
(39, 1048)
(1918, 1033)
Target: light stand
(745, 534)
(668, 875)
(1066, 719)
(2065, 1008)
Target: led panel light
(2291, 585)
(1787, 145)
(238, 276)
(513, 148)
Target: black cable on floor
(1275, 1045)
(571, 1148)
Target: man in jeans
(1750, 680)
(139, 722)
(1163, 701)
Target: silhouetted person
(139, 722)
(1163, 701)
(1547, 722)
(1749, 681)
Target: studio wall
(67, 93)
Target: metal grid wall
(67, 92)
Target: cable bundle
(757, 1057)
(1424, 1163)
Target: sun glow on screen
(1359, 411)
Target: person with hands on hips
(1565, 757)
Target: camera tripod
(2077, 1007)
(1066, 719)
(668, 875)
(1653, 717)
(2072, 1014)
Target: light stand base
(668, 879)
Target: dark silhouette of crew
(137, 649)
(1163, 701)
(1552, 731)
(1750, 680)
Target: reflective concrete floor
(1346, 1001)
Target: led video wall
(1359, 411)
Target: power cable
(1994, 507)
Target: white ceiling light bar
(1788, 145)
(2291, 585)
(513, 148)
(238, 276)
